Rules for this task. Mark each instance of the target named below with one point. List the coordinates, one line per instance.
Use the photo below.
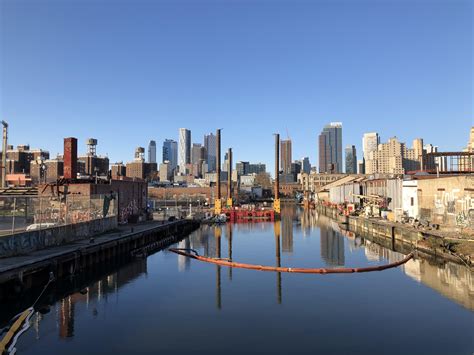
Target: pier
(21, 273)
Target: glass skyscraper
(330, 148)
(170, 152)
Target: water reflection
(452, 280)
(217, 236)
(256, 243)
(287, 216)
(97, 292)
(277, 226)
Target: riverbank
(458, 250)
(21, 273)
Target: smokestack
(70, 158)
(277, 166)
(229, 175)
(218, 157)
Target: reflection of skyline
(452, 280)
(287, 215)
(98, 290)
(276, 229)
(332, 246)
(308, 220)
(184, 263)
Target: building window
(412, 201)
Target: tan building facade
(394, 157)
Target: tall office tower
(370, 142)
(152, 152)
(170, 153)
(242, 168)
(330, 148)
(351, 159)
(286, 159)
(210, 146)
(184, 149)
(226, 162)
(197, 153)
(257, 168)
(305, 165)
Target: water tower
(140, 154)
(91, 146)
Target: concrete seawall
(392, 233)
(29, 241)
(22, 273)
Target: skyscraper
(170, 153)
(184, 149)
(210, 146)
(370, 142)
(330, 148)
(305, 165)
(242, 167)
(351, 159)
(286, 159)
(152, 152)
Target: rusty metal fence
(19, 214)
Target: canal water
(168, 304)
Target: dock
(24, 272)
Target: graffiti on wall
(455, 203)
(128, 211)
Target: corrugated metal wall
(391, 188)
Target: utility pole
(276, 201)
(229, 178)
(4, 154)
(218, 201)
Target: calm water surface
(168, 304)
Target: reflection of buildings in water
(277, 230)
(98, 290)
(199, 238)
(228, 235)
(66, 314)
(332, 246)
(204, 239)
(376, 252)
(451, 280)
(245, 228)
(287, 216)
(309, 220)
(184, 263)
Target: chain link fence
(19, 214)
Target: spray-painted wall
(448, 201)
(26, 242)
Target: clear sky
(125, 72)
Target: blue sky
(126, 72)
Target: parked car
(37, 226)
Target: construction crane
(4, 154)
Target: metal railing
(19, 214)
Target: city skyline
(246, 85)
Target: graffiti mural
(457, 204)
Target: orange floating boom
(223, 262)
